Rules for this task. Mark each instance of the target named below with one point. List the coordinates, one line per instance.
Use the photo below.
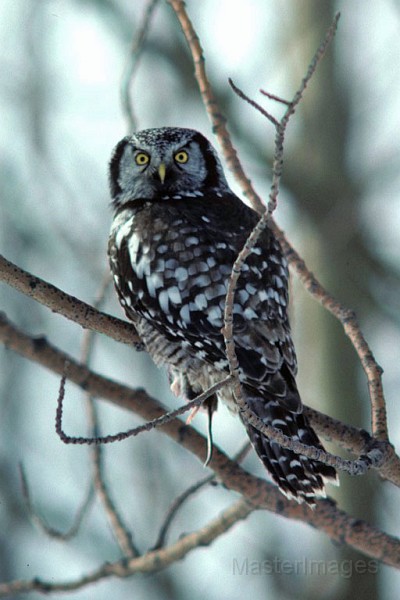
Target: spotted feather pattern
(171, 255)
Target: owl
(176, 232)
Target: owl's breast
(169, 270)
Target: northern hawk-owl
(176, 232)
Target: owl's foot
(176, 383)
(192, 414)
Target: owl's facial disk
(147, 172)
(157, 166)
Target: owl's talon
(175, 387)
(192, 414)
(210, 444)
(210, 411)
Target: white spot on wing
(133, 245)
(181, 274)
(184, 314)
(200, 301)
(262, 295)
(294, 463)
(249, 313)
(202, 280)
(215, 316)
(163, 301)
(250, 288)
(215, 291)
(154, 281)
(123, 228)
(174, 295)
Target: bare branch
(268, 95)
(372, 369)
(121, 532)
(138, 401)
(189, 493)
(176, 506)
(133, 63)
(41, 523)
(255, 105)
(326, 517)
(123, 435)
(150, 562)
(218, 120)
(352, 329)
(66, 305)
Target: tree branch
(70, 307)
(41, 523)
(218, 120)
(133, 63)
(121, 532)
(151, 562)
(345, 316)
(326, 517)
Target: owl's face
(164, 163)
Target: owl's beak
(161, 172)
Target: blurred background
(61, 67)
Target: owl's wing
(176, 276)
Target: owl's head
(164, 163)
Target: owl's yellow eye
(181, 157)
(142, 159)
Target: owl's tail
(298, 477)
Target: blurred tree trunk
(317, 175)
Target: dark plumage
(176, 232)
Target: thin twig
(361, 464)
(123, 435)
(218, 120)
(120, 530)
(254, 104)
(40, 521)
(133, 63)
(375, 457)
(326, 517)
(137, 400)
(372, 370)
(352, 329)
(151, 562)
(176, 507)
(273, 97)
(189, 493)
